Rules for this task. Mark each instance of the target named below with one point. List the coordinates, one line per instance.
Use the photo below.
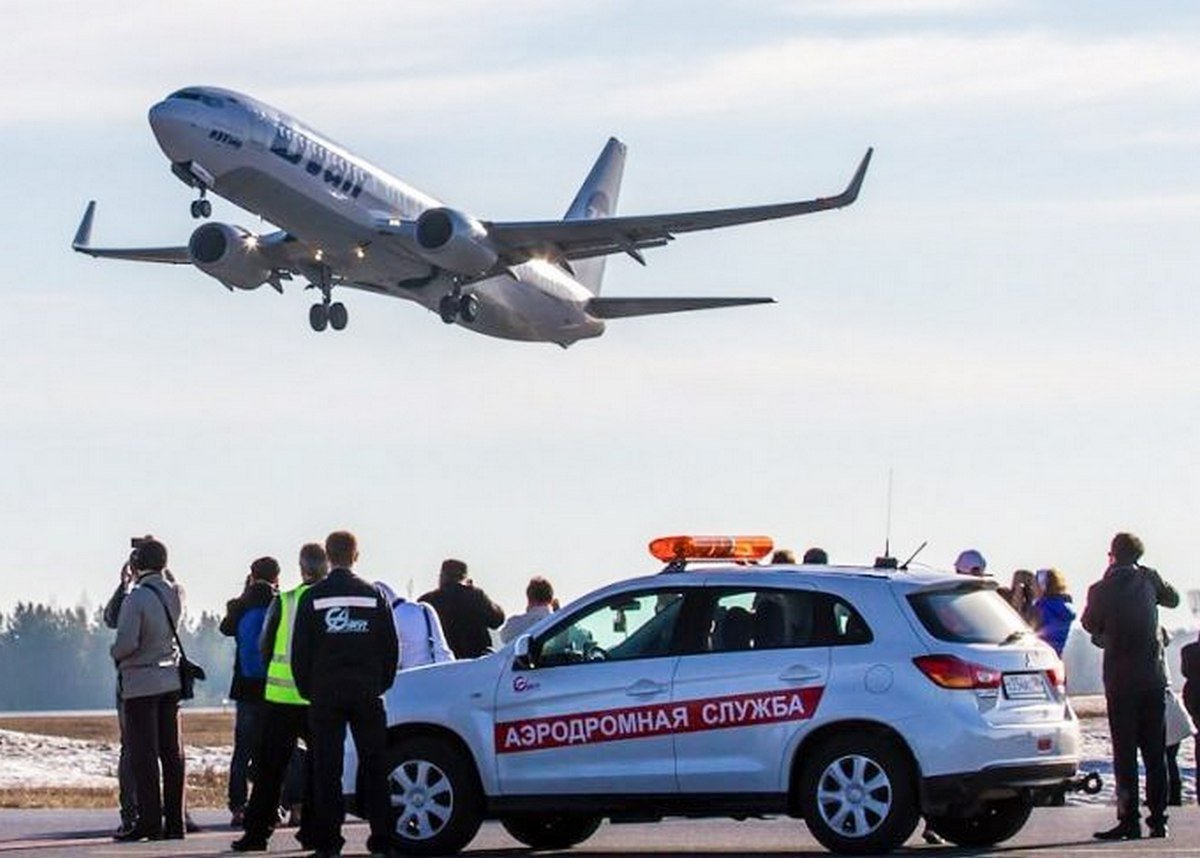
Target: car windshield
(967, 615)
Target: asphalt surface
(1050, 832)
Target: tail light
(1058, 676)
(950, 671)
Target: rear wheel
(857, 795)
(995, 821)
(551, 830)
(434, 795)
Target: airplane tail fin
(597, 197)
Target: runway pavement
(1050, 832)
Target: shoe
(133, 835)
(249, 844)
(237, 818)
(173, 835)
(327, 853)
(1157, 827)
(1122, 831)
(126, 827)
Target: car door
(589, 710)
(754, 683)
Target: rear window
(967, 615)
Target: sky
(1003, 326)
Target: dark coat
(345, 645)
(466, 614)
(1122, 617)
(1190, 660)
(243, 621)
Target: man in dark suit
(466, 611)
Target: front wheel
(994, 821)
(858, 795)
(550, 830)
(434, 795)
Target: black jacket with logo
(345, 641)
(1122, 617)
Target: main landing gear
(201, 208)
(328, 313)
(457, 306)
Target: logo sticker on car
(639, 722)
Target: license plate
(1024, 686)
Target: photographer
(465, 610)
(127, 789)
(148, 661)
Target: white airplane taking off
(345, 222)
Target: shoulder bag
(189, 671)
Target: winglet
(851, 193)
(83, 235)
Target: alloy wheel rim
(422, 797)
(854, 795)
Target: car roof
(784, 574)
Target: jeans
(247, 733)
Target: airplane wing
(580, 239)
(620, 308)
(83, 244)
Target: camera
(135, 543)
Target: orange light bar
(744, 548)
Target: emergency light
(679, 549)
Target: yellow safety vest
(281, 685)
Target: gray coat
(145, 650)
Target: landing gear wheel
(468, 308)
(318, 317)
(435, 797)
(857, 795)
(995, 821)
(338, 317)
(551, 830)
(201, 209)
(448, 309)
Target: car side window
(623, 627)
(758, 619)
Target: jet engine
(230, 254)
(455, 242)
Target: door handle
(800, 673)
(645, 688)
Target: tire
(448, 309)
(551, 830)
(434, 795)
(996, 821)
(338, 316)
(858, 795)
(468, 309)
(318, 317)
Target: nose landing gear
(201, 208)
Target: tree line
(57, 658)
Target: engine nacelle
(230, 254)
(456, 242)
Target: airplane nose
(170, 129)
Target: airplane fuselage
(318, 192)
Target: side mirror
(521, 659)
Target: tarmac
(1050, 832)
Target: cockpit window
(196, 95)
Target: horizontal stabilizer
(619, 308)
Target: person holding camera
(465, 610)
(148, 660)
(127, 787)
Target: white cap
(970, 562)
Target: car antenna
(920, 548)
(887, 561)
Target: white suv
(857, 699)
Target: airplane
(345, 222)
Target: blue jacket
(1055, 614)
(243, 621)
